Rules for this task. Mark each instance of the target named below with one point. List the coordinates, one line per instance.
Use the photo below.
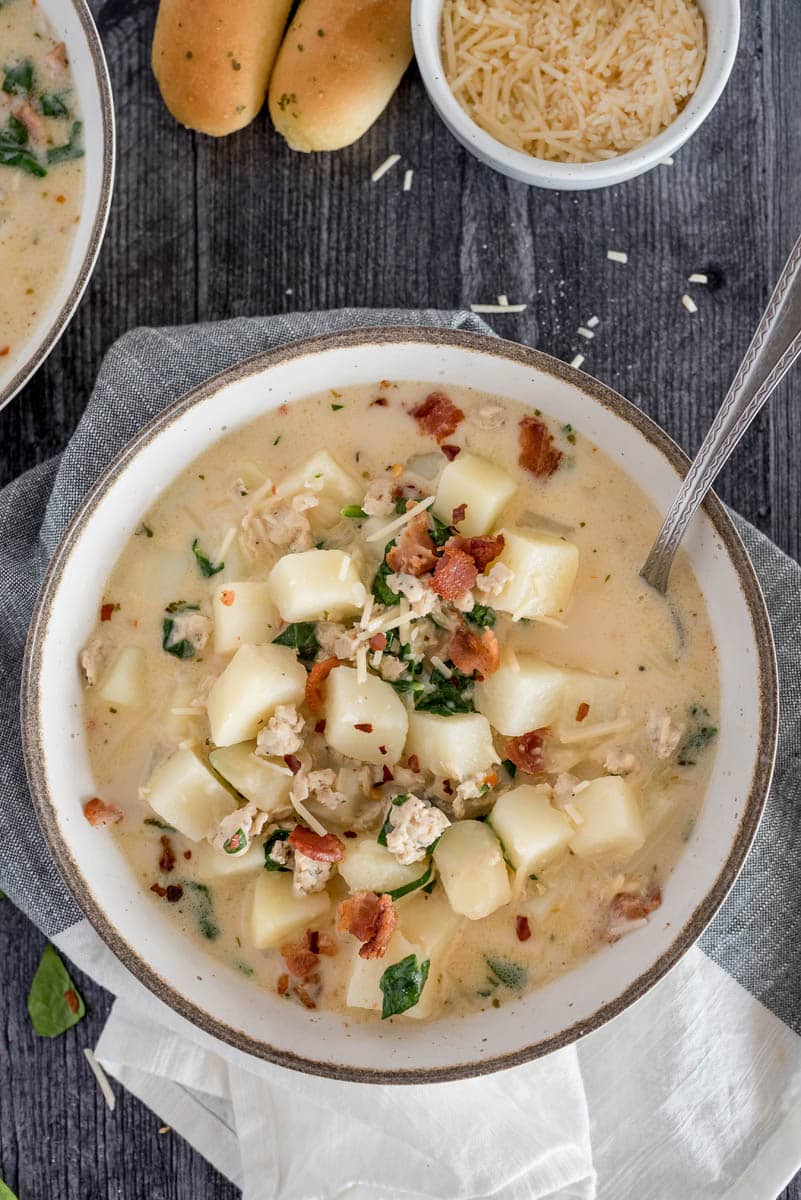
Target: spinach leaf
(441, 532)
(450, 695)
(71, 149)
(423, 880)
(280, 835)
(386, 828)
(54, 1003)
(160, 825)
(207, 567)
(402, 985)
(13, 152)
(510, 974)
(699, 736)
(204, 909)
(302, 636)
(482, 615)
(179, 647)
(383, 593)
(53, 105)
(6, 1192)
(18, 80)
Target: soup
(41, 173)
(381, 712)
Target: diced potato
(522, 695)
(451, 747)
(333, 487)
(603, 695)
(243, 613)
(373, 704)
(210, 862)
(265, 783)
(471, 868)
(277, 914)
(349, 784)
(612, 825)
(316, 585)
(532, 831)
(369, 867)
(364, 986)
(125, 683)
(255, 682)
(428, 921)
(187, 795)
(484, 487)
(544, 570)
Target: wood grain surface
(202, 230)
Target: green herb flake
(160, 825)
(699, 736)
(277, 440)
(451, 694)
(245, 968)
(510, 974)
(71, 149)
(54, 1003)
(482, 615)
(207, 567)
(204, 909)
(280, 835)
(302, 636)
(354, 513)
(144, 531)
(18, 80)
(402, 985)
(337, 407)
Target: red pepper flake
(227, 597)
(379, 402)
(350, 833)
(107, 611)
(458, 514)
(413, 763)
(447, 787)
(378, 641)
(387, 774)
(71, 997)
(158, 889)
(305, 998)
(187, 854)
(293, 763)
(522, 929)
(174, 892)
(167, 860)
(4, 351)
(322, 848)
(438, 416)
(319, 726)
(282, 986)
(582, 710)
(382, 749)
(537, 451)
(450, 452)
(313, 939)
(364, 727)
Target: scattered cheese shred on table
(593, 321)
(585, 332)
(102, 1079)
(496, 308)
(689, 303)
(698, 277)
(407, 180)
(386, 165)
(577, 360)
(503, 300)
(617, 256)
(666, 162)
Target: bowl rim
(53, 333)
(34, 740)
(540, 172)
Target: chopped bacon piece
(379, 402)
(526, 751)
(315, 680)
(364, 727)
(24, 111)
(351, 833)
(293, 762)
(319, 726)
(98, 812)
(522, 929)
(482, 550)
(313, 940)
(627, 906)
(158, 889)
(57, 57)
(187, 854)
(107, 611)
(327, 945)
(454, 574)
(322, 848)
(413, 763)
(174, 892)
(167, 860)
(537, 451)
(378, 641)
(71, 997)
(582, 710)
(282, 987)
(438, 416)
(382, 749)
(305, 998)
(300, 959)
(447, 787)
(450, 452)
(413, 553)
(371, 919)
(386, 774)
(459, 513)
(227, 597)
(472, 651)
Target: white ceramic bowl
(220, 999)
(723, 31)
(73, 24)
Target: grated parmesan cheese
(503, 300)
(379, 535)
(577, 360)
(496, 308)
(593, 322)
(407, 180)
(385, 166)
(225, 544)
(572, 80)
(617, 256)
(102, 1079)
(689, 303)
(585, 332)
(698, 277)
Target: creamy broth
(41, 172)
(629, 736)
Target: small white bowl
(723, 31)
(72, 23)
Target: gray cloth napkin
(756, 937)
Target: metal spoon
(774, 348)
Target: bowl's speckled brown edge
(33, 734)
(31, 366)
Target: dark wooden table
(202, 230)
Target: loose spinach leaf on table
(402, 985)
(510, 974)
(207, 567)
(451, 694)
(18, 80)
(71, 149)
(54, 1003)
(302, 636)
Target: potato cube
(187, 795)
(544, 570)
(369, 867)
(125, 683)
(603, 695)
(209, 862)
(451, 747)
(522, 695)
(333, 487)
(316, 585)
(471, 868)
(243, 613)
(484, 487)
(277, 914)
(366, 721)
(245, 696)
(531, 830)
(364, 985)
(428, 921)
(611, 824)
(259, 780)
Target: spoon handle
(773, 350)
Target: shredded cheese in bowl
(573, 80)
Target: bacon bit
(371, 919)
(4, 351)
(71, 997)
(447, 787)
(482, 550)
(57, 57)
(379, 402)
(454, 574)
(167, 860)
(458, 514)
(526, 751)
(382, 749)
(315, 680)
(471, 651)
(107, 611)
(378, 641)
(628, 907)
(413, 552)
(364, 727)
(582, 710)
(158, 889)
(293, 763)
(300, 959)
(450, 452)
(187, 854)
(101, 814)
(413, 763)
(227, 597)
(537, 451)
(282, 987)
(522, 929)
(350, 833)
(174, 892)
(326, 944)
(387, 774)
(438, 416)
(319, 726)
(325, 848)
(313, 940)
(305, 998)
(25, 112)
